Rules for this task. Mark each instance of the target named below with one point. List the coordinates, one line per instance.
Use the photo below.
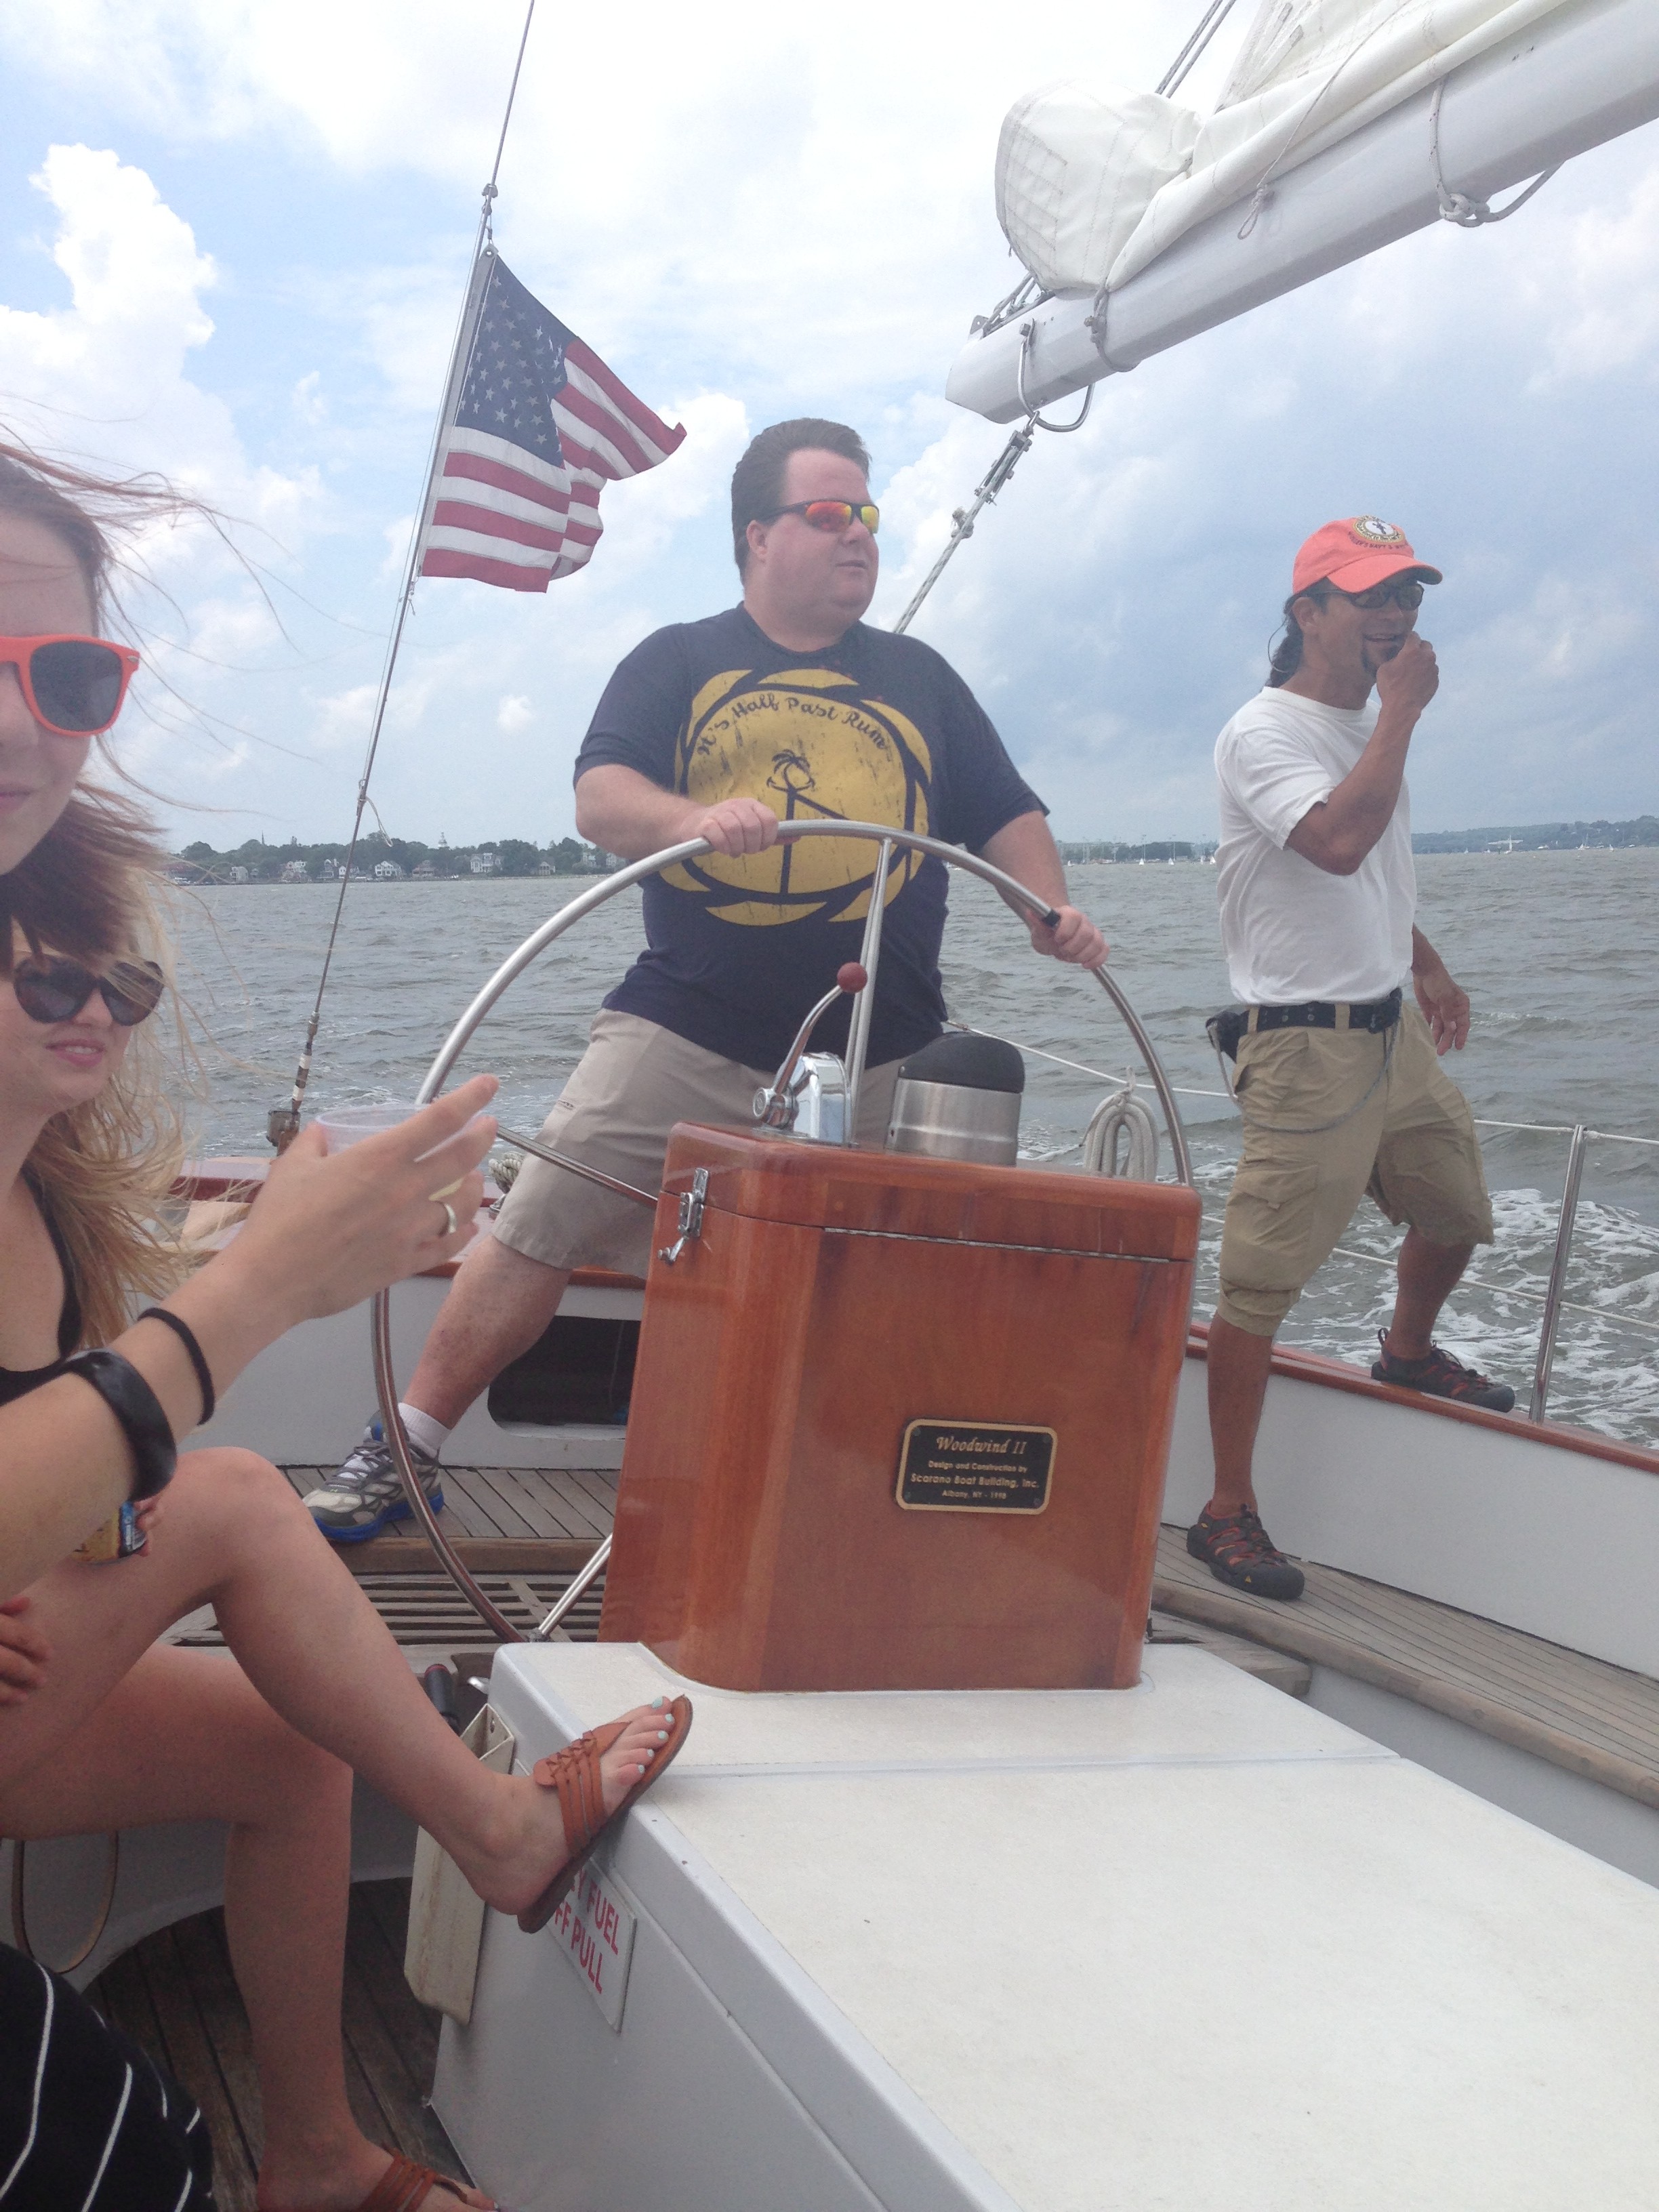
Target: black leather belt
(1321, 1014)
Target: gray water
(1555, 949)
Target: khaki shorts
(634, 1082)
(1411, 1144)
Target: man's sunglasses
(74, 685)
(829, 514)
(1407, 596)
(56, 990)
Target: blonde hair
(91, 888)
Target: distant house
(238, 875)
(423, 872)
(294, 872)
(486, 864)
(388, 871)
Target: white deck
(1190, 1946)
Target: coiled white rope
(1121, 1138)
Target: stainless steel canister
(958, 1098)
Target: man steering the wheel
(785, 707)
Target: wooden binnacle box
(899, 1422)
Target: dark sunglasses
(56, 990)
(74, 685)
(828, 513)
(1407, 595)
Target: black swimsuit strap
(17, 1382)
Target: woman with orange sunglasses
(101, 1726)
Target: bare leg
(1429, 1274)
(1237, 1365)
(186, 1736)
(141, 1734)
(232, 1531)
(497, 1306)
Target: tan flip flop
(575, 1774)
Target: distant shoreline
(386, 859)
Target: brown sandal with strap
(575, 1774)
(404, 2186)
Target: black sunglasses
(56, 990)
(1406, 596)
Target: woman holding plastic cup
(100, 1726)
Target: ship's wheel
(579, 908)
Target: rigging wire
(995, 477)
(964, 518)
(1184, 63)
(283, 1124)
(1028, 293)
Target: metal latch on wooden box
(690, 1218)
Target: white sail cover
(1071, 163)
(1076, 171)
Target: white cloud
(784, 221)
(109, 369)
(514, 713)
(773, 197)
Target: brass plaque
(974, 1466)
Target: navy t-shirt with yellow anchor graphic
(875, 728)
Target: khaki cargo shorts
(634, 1082)
(1411, 1144)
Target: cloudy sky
(234, 240)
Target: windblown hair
(89, 513)
(757, 480)
(90, 888)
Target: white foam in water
(1554, 949)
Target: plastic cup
(349, 1125)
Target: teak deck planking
(501, 1520)
(173, 1993)
(1581, 1714)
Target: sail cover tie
(1457, 207)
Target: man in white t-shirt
(1339, 1079)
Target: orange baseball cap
(1355, 555)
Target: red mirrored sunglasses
(830, 514)
(74, 686)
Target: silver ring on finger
(450, 1223)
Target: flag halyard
(538, 425)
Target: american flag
(540, 423)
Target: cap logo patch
(1371, 530)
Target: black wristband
(138, 1410)
(186, 1336)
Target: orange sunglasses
(73, 686)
